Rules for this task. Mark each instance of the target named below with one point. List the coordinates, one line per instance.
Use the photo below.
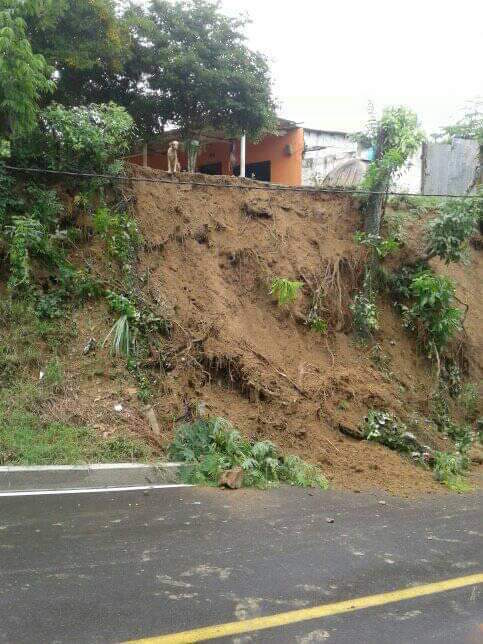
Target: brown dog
(173, 163)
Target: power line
(276, 188)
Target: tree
(394, 138)
(182, 63)
(470, 126)
(24, 76)
(200, 73)
(85, 41)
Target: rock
(382, 503)
(232, 479)
(351, 431)
(118, 407)
(90, 346)
(152, 420)
(330, 520)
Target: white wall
(337, 148)
(317, 163)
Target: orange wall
(286, 169)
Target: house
(293, 156)
(297, 155)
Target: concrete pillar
(243, 141)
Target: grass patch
(25, 440)
(448, 470)
(212, 446)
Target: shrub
(432, 314)
(382, 427)
(86, 138)
(120, 233)
(209, 447)
(448, 233)
(448, 469)
(382, 247)
(45, 205)
(285, 290)
(25, 234)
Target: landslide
(210, 250)
(210, 254)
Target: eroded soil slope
(210, 255)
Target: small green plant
(382, 247)
(432, 315)
(285, 290)
(53, 375)
(318, 324)
(470, 399)
(381, 360)
(448, 469)
(208, 447)
(452, 375)
(364, 314)
(120, 233)
(45, 207)
(25, 234)
(123, 332)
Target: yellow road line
(324, 610)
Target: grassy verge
(28, 344)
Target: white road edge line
(85, 468)
(93, 490)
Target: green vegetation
(285, 290)
(27, 436)
(470, 126)
(432, 315)
(364, 312)
(24, 77)
(382, 247)
(212, 446)
(120, 233)
(382, 427)
(470, 400)
(394, 138)
(448, 233)
(123, 340)
(25, 440)
(319, 324)
(178, 62)
(86, 139)
(449, 469)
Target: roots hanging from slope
(333, 289)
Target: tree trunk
(372, 220)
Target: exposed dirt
(208, 260)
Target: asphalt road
(111, 567)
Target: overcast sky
(329, 58)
